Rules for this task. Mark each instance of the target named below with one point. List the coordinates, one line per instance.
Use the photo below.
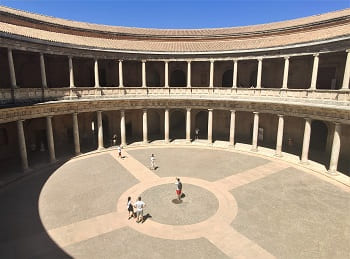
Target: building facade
(67, 87)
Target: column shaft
(144, 126)
(144, 73)
(285, 73)
(258, 77)
(166, 126)
(255, 132)
(345, 85)
(50, 140)
(188, 73)
(43, 71)
(22, 145)
(210, 126)
(97, 80)
(12, 69)
(99, 130)
(306, 141)
(235, 71)
(71, 72)
(314, 72)
(333, 165)
(76, 133)
(121, 83)
(188, 125)
(211, 78)
(166, 72)
(122, 128)
(232, 127)
(279, 135)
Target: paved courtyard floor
(235, 205)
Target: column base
(332, 172)
(278, 155)
(304, 162)
(53, 161)
(188, 141)
(145, 142)
(254, 149)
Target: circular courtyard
(235, 205)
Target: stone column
(279, 140)
(189, 73)
(210, 126)
(255, 132)
(122, 128)
(285, 73)
(12, 69)
(121, 84)
(211, 78)
(42, 70)
(166, 72)
(99, 130)
(144, 126)
(50, 141)
(258, 77)
(333, 165)
(144, 73)
(166, 125)
(306, 141)
(345, 85)
(235, 71)
(232, 127)
(71, 74)
(97, 81)
(314, 72)
(22, 145)
(76, 134)
(188, 125)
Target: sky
(178, 14)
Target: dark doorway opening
(178, 78)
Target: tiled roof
(309, 29)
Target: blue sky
(179, 13)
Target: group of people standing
(139, 205)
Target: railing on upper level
(34, 95)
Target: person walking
(130, 208)
(153, 164)
(196, 131)
(178, 188)
(120, 152)
(114, 140)
(139, 205)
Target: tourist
(153, 164)
(196, 131)
(178, 188)
(120, 152)
(139, 205)
(114, 140)
(130, 208)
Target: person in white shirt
(153, 164)
(120, 152)
(178, 188)
(139, 206)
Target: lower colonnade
(94, 130)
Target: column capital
(308, 119)
(232, 111)
(211, 60)
(188, 109)
(143, 60)
(210, 110)
(166, 109)
(144, 110)
(122, 112)
(286, 57)
(49, 116)
(166, 61)
(259, 58)
(189, 61)
(235, 60)
(348, 50)
(75, 113)
(21, 120)
(256, 112)
(120, 60)
(316, 54)
(280, 115)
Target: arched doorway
(318, 142)
(178, 78)
(227, 78)
(177, 125)
(153, 122)
(153, 79)
(201, 122)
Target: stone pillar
(144, 84)
(189, 73)
(314, 72)
(306, 141)
(144, 126)
(50, 141)
(285, 73)
(211, 78)
(258, 77)
(76, 134)
(22, 145)
(235, 72)
(122, 128)
(333, 165)
(166, 125)
(97, 81)
(71, 74)
(210, 126)
(279, 140)
(232, 127)
(255, 132)
(99, 130)
(43, 71)
(188, 125)
(345, 85)
(12, 69)
(121, 84)
(166, 71)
